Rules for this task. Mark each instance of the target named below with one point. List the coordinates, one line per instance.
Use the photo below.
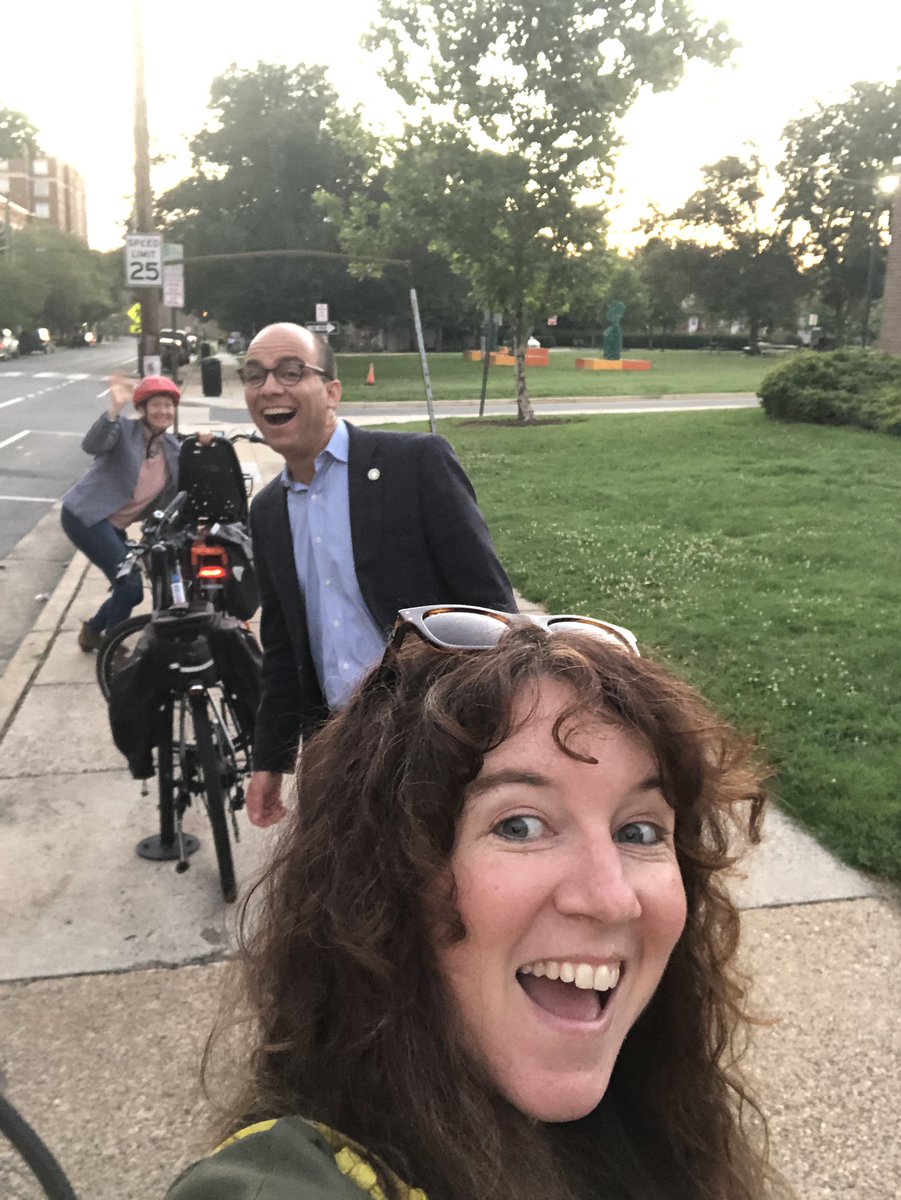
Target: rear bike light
(209, 561)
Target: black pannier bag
(174, 651)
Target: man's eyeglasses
(467, 627)
(288, 371)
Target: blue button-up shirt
(344, 639)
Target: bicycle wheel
(211, 766)
(27, 1168)
(118, 649)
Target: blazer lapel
(366, 493)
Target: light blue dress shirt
(344, 639)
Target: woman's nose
(596, 882)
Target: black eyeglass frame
(267, 371)
(414, 619)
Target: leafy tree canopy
(517, 109)
(750, 273)
(17, 135)
(52, 278)
(834, 158)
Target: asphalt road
(47, 403)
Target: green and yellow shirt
(286, 1159)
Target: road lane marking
(15, 400)
(15, 437)
(31, 499)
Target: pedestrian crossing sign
(134, 317)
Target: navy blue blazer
(118, 447)
(418, 538)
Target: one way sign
(321, 327)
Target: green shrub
(842, 387)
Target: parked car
(235, 342)
(34, 341)
(9, 344)
(82, 337)
(175, 339)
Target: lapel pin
(373, 474)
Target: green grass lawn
(399, 376)
(760, 560)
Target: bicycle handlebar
(171, 511)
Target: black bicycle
(182, 682)
(27, 1167)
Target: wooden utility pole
(150, 297)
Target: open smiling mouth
(278, 416)
(574, 990)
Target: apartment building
(47, 188)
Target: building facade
(49, 189)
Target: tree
(750, 274)
(278, 136)
(834, 158)
(52, 278)
(18, 137)
(669, 270)
(517, 105)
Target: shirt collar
(337, 448)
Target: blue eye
(640, 833)
(519, 828)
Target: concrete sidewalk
(110, 965)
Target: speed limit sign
(143, 259)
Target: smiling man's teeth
(583, 975)
(277, 412)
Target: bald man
(358, 524)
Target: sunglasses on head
(467, 627)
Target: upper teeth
(583, 975)
(269, 412)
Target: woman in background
(135, 470)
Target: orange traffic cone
(370, 378)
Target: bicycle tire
(33, 1151)
(118, 648)
(208, 761)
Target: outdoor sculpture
(613, 334)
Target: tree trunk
(525, 412)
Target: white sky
(70, 71)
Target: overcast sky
(70, 71)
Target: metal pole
(486, 362)
(414, 304)
(150, 300)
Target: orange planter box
(599, 364)
(473, 355)
(502, 360)
(538, 357)
(613, 364)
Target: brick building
(47, 188)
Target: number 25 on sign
(143, 259)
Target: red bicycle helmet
(155, 385)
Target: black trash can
(205, 349)
(211, 376)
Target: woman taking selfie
(492, 960)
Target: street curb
(27, 661)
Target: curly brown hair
(351, 1022)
